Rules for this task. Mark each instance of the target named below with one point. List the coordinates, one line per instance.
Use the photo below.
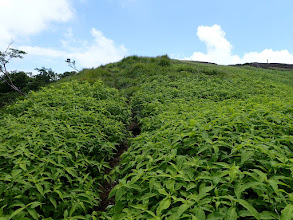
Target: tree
(5, 57)
(66, 74)
(19, 78)
(45, 76)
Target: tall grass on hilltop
(215, 143)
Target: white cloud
(40, 51)
(219, 50)
(19, 18)
(282, 56)
(100, 50)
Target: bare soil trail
(106, 188)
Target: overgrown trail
(106, 188)
(215, 143)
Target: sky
(97, 32)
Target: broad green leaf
(180, 211)
(71, 171)
(204, 191)
(59, 193)
(287, 213)
(164, 204)
(246, 155)
(120, 192)
(215, 216)
(114, 191)
(233, 172)
(73, 208)
(17, 204)
(1, 210)
(262, 176)
(15, 172)
(16, 212)
(249, 207)
(274, 185)
(199, 213)
(268, 215)
(33, 213)
(34, 204)
(139, 206)
(22, 166)
(231, 214)
(153, 215)
(53, 201)
(40, 189)
(163, 192)
(242, 187)
(65, 214)
(170, 185)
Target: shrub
(164, 61)
(55, 148)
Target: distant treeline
(275, 66)
(27, 82)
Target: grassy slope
(55, 150)
(216, 141)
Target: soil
(108, 186)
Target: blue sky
(96, 32)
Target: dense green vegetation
(27, 82)
(55, 148)
(215, 143)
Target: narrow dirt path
(107, 187)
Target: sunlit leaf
(249, 207)
(164, 204)
(287, 212)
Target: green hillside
(215, 142)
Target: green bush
(164, 61)
(215, 143)
(212, 146)
(55, 148)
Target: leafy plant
(55, 148)
(212, 147)
(215, 143)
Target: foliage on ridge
(55, 148)
(215, 143)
